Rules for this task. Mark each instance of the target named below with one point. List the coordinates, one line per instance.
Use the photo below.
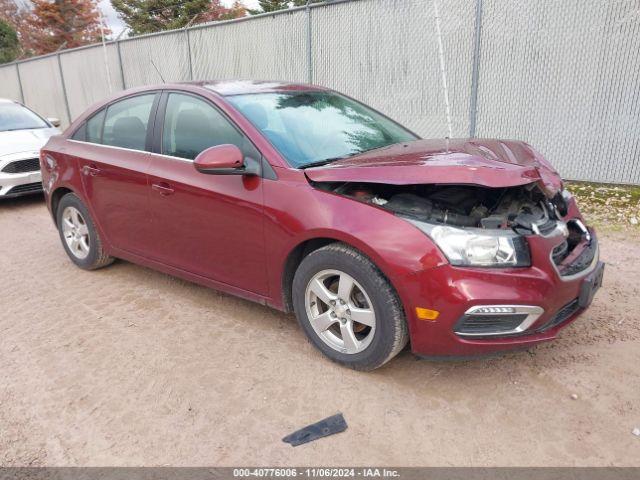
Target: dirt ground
(126, 366)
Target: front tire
(348, 309)
(79, 236)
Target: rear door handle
(162, 188)
(90, 170)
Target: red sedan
(305, 200)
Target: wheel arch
(295, 256)
(56, 196)
(309, 245)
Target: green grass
(613, 207)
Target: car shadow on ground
(22, 201)
(255, 317)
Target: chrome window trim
(130, 150)
(171, 157)
(533, 313)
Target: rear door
(113, 160)
(210, 225)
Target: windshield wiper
(326, 161)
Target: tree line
(52, 25)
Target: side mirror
(222, 160)
(54, 121)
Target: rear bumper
(17, 184)
(455, 292)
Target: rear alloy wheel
(347, 308)
(79, 236)
(75, 232)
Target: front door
(210, 225)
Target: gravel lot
(127, 366)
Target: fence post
(309, 46)
(20, 83)
(475, 73)
(64, 89)
(124, 85)
(186, 30)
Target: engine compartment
(524, 209)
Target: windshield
(14, 116)
(313, 127)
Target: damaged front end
(521, 263)
(474, 225)
(497, 228)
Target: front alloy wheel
(340, 311)
(347, 307)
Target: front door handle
(162, 188)
(90, 170)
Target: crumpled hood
(19, 141)
(485, 162)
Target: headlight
(476, 247)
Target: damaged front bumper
(488, 310)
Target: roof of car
(237, 87)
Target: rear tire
(347, 308)
(78, 234)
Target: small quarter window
(94, 128)
(81, 133)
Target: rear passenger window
(127, 121)
(192, 125)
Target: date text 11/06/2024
(316, 472)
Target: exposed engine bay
(524, 209)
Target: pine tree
(300, 3)
(9, 46)
(61, 24)
(147, 16)
(273, 5)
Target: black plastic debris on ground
(323, 428)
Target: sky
(117, 26)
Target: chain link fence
(563, 75)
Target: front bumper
(17, 184)
(456, 293)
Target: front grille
(489, 324)
(26, 188)
(561, 315)
(22, 166)
(583, 261)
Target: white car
(22, 135)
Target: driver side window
(192, 125)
